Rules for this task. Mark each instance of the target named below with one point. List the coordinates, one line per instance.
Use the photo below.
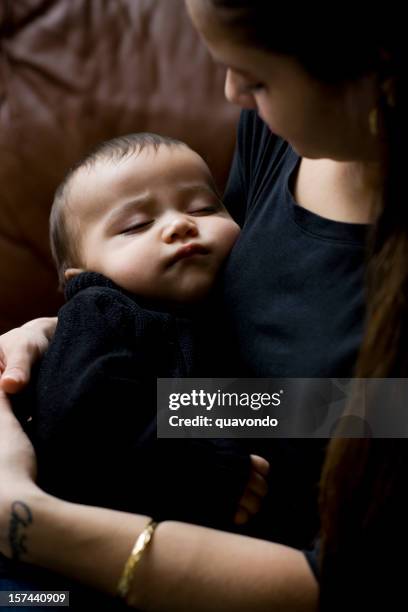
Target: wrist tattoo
(21, 518)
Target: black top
(294, 299)
(94, 426)
(293, 286)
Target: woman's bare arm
(185, 568)
(20, 348)
(194, 568)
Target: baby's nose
(179, 228)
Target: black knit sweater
(94, 425)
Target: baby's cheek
(131, 275)
(231, 233)
(139, 273)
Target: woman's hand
(18, 469)
(20, 348)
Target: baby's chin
(190, 298)
(189, 295)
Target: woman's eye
(255, 87)
(136, 227)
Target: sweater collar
(84, 280)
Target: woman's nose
(235, 93)
(178, 228)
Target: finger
(260, 464)
(16, 372)
(257, 484)
(250, 502)
(241, 517)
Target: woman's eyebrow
(241, 71)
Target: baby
(139, 236)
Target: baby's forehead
(99, 185)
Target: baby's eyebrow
(195, 188)
(121, 210)
(146, 199)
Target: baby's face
(152, 223)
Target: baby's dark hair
(65, 246)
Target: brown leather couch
(72, 73)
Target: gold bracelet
(140, 546)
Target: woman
(294, 294)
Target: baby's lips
(188, 250)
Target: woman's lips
(188, 250)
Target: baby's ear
(71, 272)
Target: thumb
(16, 373)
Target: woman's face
(319, 120)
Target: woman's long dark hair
(363, 499)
